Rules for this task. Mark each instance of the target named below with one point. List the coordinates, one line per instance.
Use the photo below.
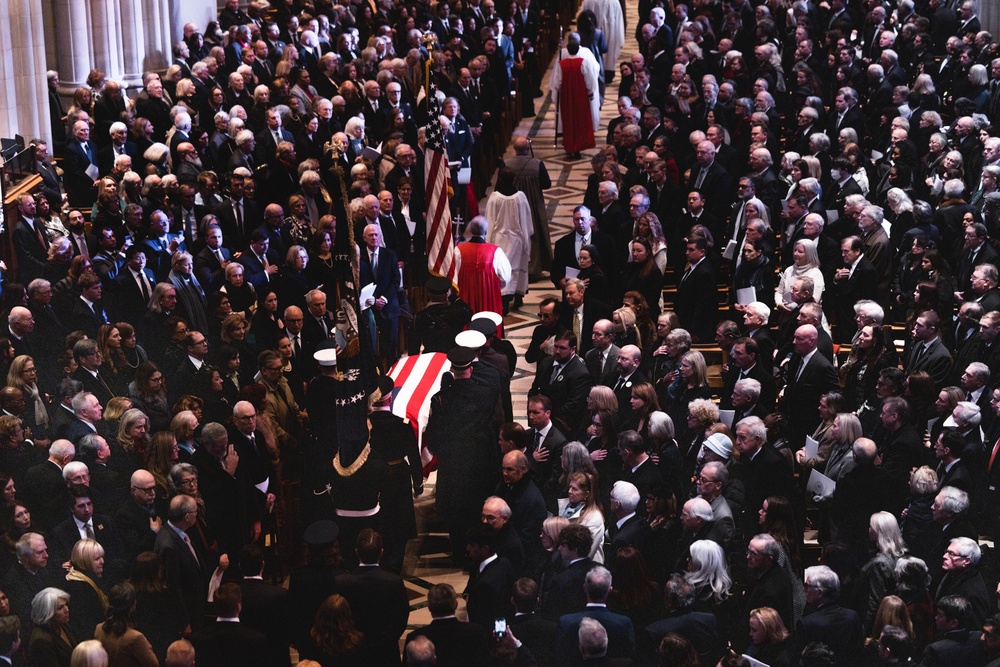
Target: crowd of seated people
(841, 161)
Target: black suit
(568, 391)
(766, 473)
(65, 534)
(566, 594)
(700, 628)
(88, 318)
(593, 311)
(862, 284)
(208, 270)
(835, 626)
(45, 494)
(564, 254)
(129, 302)
(266, 610)
(456, 644)
(98, 386)
(184, 573)
(936, 360)
(380, 608)
(229, 644)
(802, 393)
(132, 524)
(633, 533)
(488, 592)
(717, 181)
(697, 303)
(254, 271)
(621, 634)
(958, 647)
(609, 375)
(79, 186)
(32, 251)
(760, 372)
(21, 587)
(386, 279)
(234, 236)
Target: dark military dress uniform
(435, 326)
(395, 443)
(461, 432)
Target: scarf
(41, 414)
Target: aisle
(427, 562)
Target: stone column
(24, 105)
(74, 35)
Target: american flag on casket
(417, 378)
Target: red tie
(996, 448)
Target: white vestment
(612, 24)
(511, 229)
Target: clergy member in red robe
(485, 269)
(574, 84)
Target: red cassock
(574, 107)
(477, 280)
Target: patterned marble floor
(427, 560)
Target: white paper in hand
(367, 294)
(726, 417)
(819, 484)
(812, 448)
(572, 273)
(746, 295)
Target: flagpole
(555, 135)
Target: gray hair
(598, 583)
(626, 494)
(760, 309)
(755, 426)
(955, 501)
(824, 578)
(749, 388)
(967, 548)
(699, 508)
(213, 432)
(43, 606)
(593, 638)
(74, 467)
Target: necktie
(604, 358)
(238, 206)
(41, 236)
(538, 439)
(375, 105)
(81, 243)
(90, 156)
(917, 353)
(143, 287)
(90, 530)
(219, 256)
(555, 372)
(802, 367)
(576, 324)
(277, 138)
(701, 177)
(295, 346)
(993, 456)
(375, 262)
(687, 273)
(187, 541)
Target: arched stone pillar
(24, 106)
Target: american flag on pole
(441, 256)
